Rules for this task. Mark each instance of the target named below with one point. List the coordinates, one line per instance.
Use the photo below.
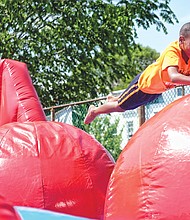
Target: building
(131, 119)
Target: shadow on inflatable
(52, 170)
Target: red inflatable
(53, 166)
(43, 164)
(151, 179)
(19, 101)
(7, 212)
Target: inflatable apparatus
(151, 179)
(55, 169)
(46, 165)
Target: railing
(53, 109)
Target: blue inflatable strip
(39, 214)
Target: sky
(159, 40)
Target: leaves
(141, 57)
(108, 134)
(71, 47)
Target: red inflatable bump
(19, 101)
(54, 166)
(7, 212)
(151, 178)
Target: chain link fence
(112, 130)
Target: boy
(172, 68)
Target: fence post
(141, 114)
(183, 90)
(52, 110)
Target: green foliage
(107, 133)
(141, 57)
(71, 46)
(103, 130)
(78, 115)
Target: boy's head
(184, 38)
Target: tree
(107, 133)
(71, 46)
(141, 57)
(103, 129)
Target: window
(179, 91)
(130, 129)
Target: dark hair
(185, 30)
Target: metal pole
(141, 113)
(183, 90)
(52, 110)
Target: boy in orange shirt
(172, 68)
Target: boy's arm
(177, 77)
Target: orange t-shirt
(155, 79)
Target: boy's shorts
(133, 97)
